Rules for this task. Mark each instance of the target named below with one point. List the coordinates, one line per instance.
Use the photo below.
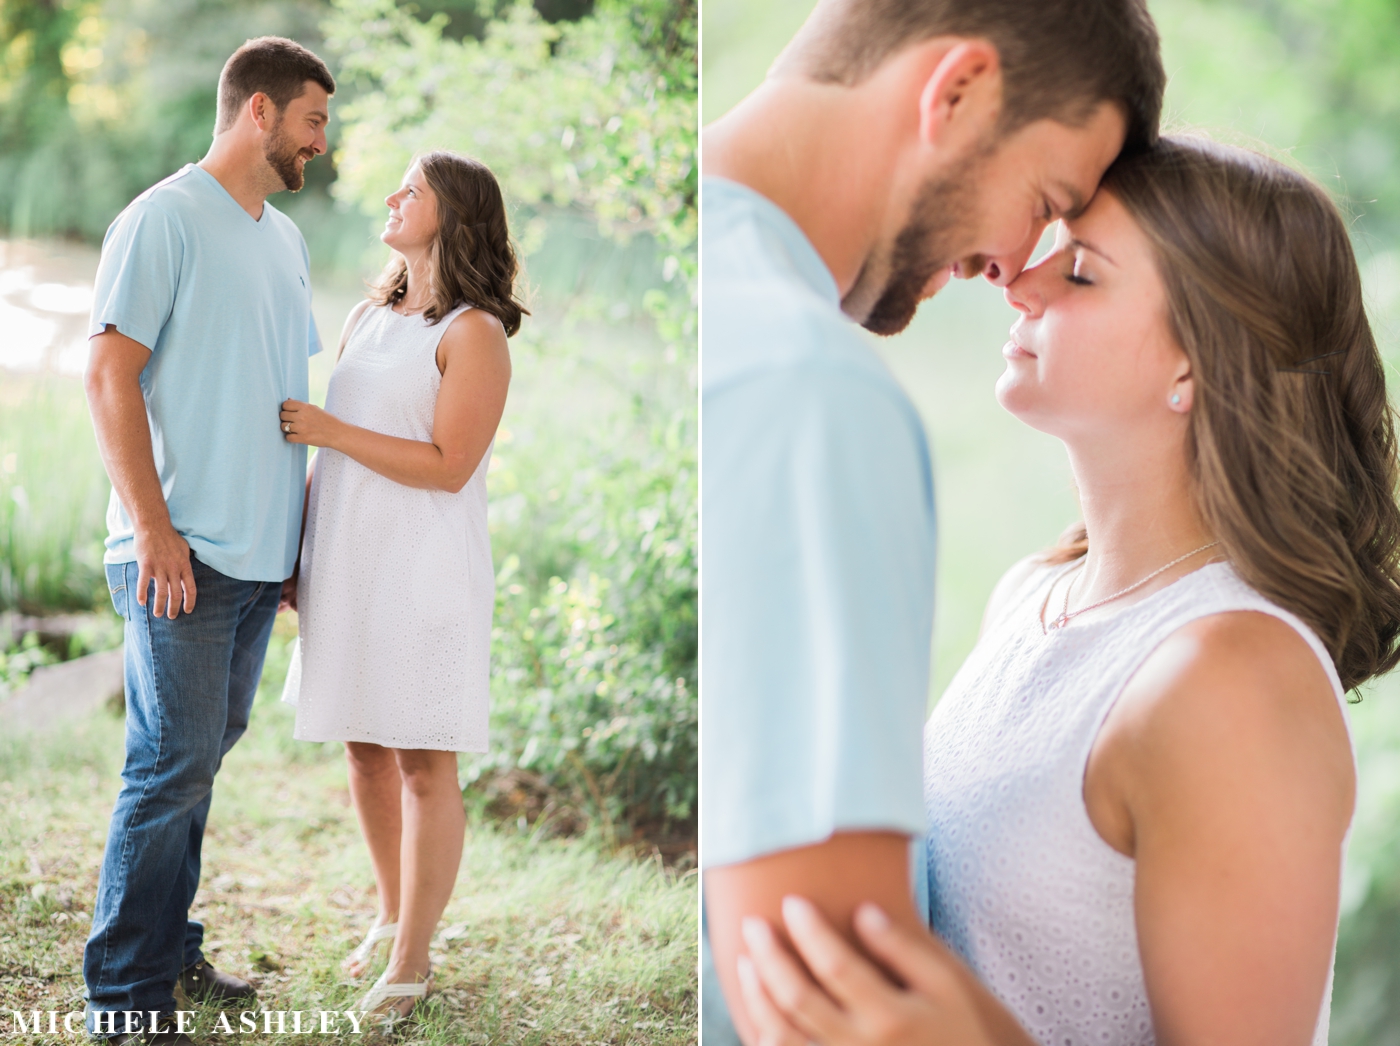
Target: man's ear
(961, 100)
(262, 109)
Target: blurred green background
(1314, 80)
(586, 110)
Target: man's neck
(243, 173)
(826, 166)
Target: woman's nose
(1023, 293)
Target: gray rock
(60, 693)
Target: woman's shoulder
(352, 321)
(1237, 688)
(473, 329)
(1013, 586)
(471, 322)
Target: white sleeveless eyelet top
(1020, 883)
(397, 587)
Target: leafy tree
(597, 115)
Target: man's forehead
(313, 97)
(1073, 158)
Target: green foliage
(53, 496)
(33, 80)
(28, 654)
(597, 115)
(100, 99)
(594, 676)
(1317, 78)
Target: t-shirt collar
(218, 187)
(805, 259)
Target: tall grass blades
(53, 497)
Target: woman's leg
(376, 790)
(433, 825)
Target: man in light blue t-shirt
(201, 327)
(893, 145)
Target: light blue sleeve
(139, 274)
(313, 336)
(817, 603)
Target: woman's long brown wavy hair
(1291, 437)
(473, 261)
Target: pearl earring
(1176, 399)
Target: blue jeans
(190, 684)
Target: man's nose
(1001, 269)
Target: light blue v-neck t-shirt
(223, 302)
(817, 558)
(817, 551)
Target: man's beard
(927, 243)
(281, 154)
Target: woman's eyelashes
(1076, 274)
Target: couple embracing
(1136, 791)
(201, 331)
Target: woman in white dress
(1139, 784)
(395, 584)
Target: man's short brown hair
(1059, 58)
(274, 65)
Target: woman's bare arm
(1226, 772)
(475, 364)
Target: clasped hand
(852, 1002)
(307, 423)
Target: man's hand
(288, 600)
(163, 556)
(852, 1002)
(307, 423)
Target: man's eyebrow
(1077, 243)
(1077, 203)
(325, 116)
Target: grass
(53, 496)
(545, 940)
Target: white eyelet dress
(396, 587)
(1021, 885)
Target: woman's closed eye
(1078, 273)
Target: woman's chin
(1016, 398)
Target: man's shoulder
(775, 335)
(175, 202)
(770, 304)
(174, 196)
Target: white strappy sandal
(363, 955)
(381, 993)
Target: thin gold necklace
(1066, 615)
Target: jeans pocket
(116, 585)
